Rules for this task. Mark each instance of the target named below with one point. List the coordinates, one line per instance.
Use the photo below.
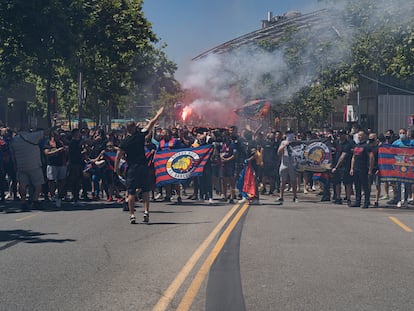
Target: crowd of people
(81, 165)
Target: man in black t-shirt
(270, 160)
(138, 174)
(361, 167)
(75, 165)
(341, 166)
(375, 178)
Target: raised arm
(119, 154)
(152, 122)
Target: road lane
(316, 256)
(305, 256)
(92, 258)
(170, 292)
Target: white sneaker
(242, 200)
(399, 204)
(158, 196)
(58, 203)
(384, 197)
(210, 201)
(132, 219)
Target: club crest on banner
(396, 163)
(314, 156)
(317, 154)
(182, 164)
(404, 163)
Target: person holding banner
(362, 164)
(169, 141)
(138, 171)
(287, 167)
(404, 142)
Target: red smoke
(206, 110)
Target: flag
(177, 165)
(396, 163)
(149, 154)
(313, 155)
(247, 182)
(255, 109)
(323, 178)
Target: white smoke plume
(326, 46)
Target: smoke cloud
(325, 45)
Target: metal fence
(394, 112)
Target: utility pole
(80, 95)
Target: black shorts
(228, 170)
(215, 170)
(374, 178)
(138, 176)
(342, 176)
(269, 171)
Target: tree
(38, 39)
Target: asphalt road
(297, 256)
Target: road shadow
(152, 223)
(13, 237)
(168, 212)
(394, 208)
(195, 203)
(16, 207)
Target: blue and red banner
(255, 109)
(247, 182)
(396, 164)
(178, 165)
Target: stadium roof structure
(273, 29)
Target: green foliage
(109, 41)
(371, 36)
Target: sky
(190, 27)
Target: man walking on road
(138, 169)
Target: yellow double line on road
(192, 291)
(399, 223)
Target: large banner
(396, 164)
(313, 155)
(178, 165)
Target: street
(309, 255)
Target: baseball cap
(342, 132)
